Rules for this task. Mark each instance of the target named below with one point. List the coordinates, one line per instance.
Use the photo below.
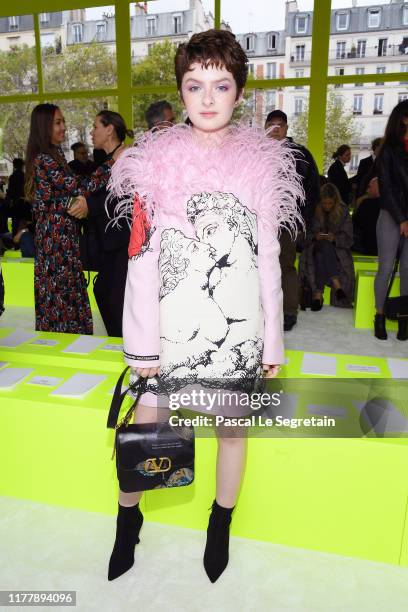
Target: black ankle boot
(216, 548)
(402, 329)
(128, 525)
(379, 327)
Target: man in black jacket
(277, 124)
(366, 167)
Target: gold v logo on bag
(156, 465)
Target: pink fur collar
(168, 166)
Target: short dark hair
(77, 145)
(155, 112)
(18, 163)
(217, 48)
(276, 114)
(341, 150)
(376, 143)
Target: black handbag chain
(139, 387)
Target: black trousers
(287, 261)
(326, 263)
(109, 289)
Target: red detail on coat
(140, 228)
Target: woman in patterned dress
(206, 202)
(61, 298)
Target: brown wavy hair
(217, 48)
(330, 192)
(39, 141)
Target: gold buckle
(153, 466)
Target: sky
(242, 15)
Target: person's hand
(270, 371)
(373, 190)
(321, 236)
(79, 209)
(146, 372)
(330, 237)
(404, 228)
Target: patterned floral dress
(61, 298)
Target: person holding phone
(327, 259)
(61, 298)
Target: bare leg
(231, 459)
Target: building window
(402, 96)
(299, 74)
(177, 24)
(101, 31)
(357, 104)
(271, 70)
(404, 68)
(249, 43)
(251, 69)
(338, 100)
(44, 17)
(405, 15)
(151, 27)
(361, 48)
(301, 24)
(382, 47)
(354, 161)
(373, 20)
(271, 42)
(380, 70)
(359, 70)
(77, 32)
(378, 104)
(340, 50)
(13, 23)
(342, 21)
(150, 48)
(300, 53)
(270, 101)
(338, 72)
(299, 105)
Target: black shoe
(128, 525)
(340, 295)
(289, 321)
(379, 327)
(317, 304)
(402, 329)
(216, 548)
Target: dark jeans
(287, 260)
(326, 263)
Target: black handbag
(149, 455)
(396, 308)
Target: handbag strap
(396, 263)
(139, 387)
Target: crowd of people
(340, 215)
(198, 227)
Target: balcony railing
(371, 52)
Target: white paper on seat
(17, 337)
(44, 342)
(79, 385)
(113, 347)
(84, 345)
(318, 364)
(398, 367)
(9, 377)
(356, 367)
(44, 381)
